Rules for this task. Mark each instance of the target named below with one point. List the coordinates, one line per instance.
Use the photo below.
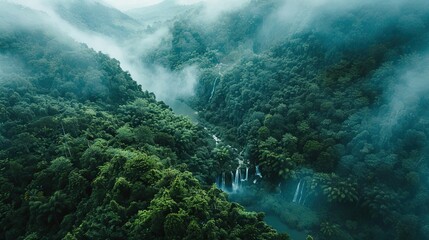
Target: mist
(385, 140)
(125, 5)
(6, 68)
(403, 99)
(322, 17)
(166, 84)
(213, 9)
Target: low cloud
(410, 87)
(167, 85)
(170, 86)
(322, 16)
(213, 9)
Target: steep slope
(94, 16)
(86, 154)
(329, 101)
(164, 11)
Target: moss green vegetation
(345, 96)
(86, 154)
(332, 108)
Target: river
(281, 227)
(181, 108)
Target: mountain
(97, 17)
(313, 112)
(161, 12)
(87, 154)
(328, 101)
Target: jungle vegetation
(328, 99)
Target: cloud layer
(167, 85)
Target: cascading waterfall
(222, 186)
(236, 181)
(215, 82)
(295, 196)
(258, 172)
(232, 181)
(216, 139)
(213, 90)
(302, 189)
(236, 185)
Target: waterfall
(258, 172)
(216, 139)
(213, 90)
(295, 196)
(302, 189)
(215, 82)
(232, 181)
(235, 182)
(222, 186)
(236, 185)
(247, 174)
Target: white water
(258, 172)
(247, 174)
(232, 181)
(295, 196)
(302, 189)
(213, 90)
(236, 186)
(217, 140)
(222, 186)
(215, 82)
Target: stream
(278, 225)
(181, 108)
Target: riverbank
(179, 107)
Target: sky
(125, 5)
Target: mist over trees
(336, 88)
(326, 98)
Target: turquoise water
(278, 225)
(181, 108)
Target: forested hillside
(314, 112)
(87, 154)
(332, 108)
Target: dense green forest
(86, 154)
(338, 107)
(314, 112)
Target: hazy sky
(130, 4)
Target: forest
(312, 120)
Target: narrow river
(181, 108)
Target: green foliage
(329, 230)
(335, 189)
(85, 154)
(381, 202)
(310, 100)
